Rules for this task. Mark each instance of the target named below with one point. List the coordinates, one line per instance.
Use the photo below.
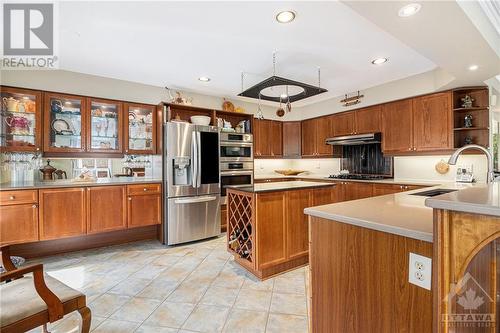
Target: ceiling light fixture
(473, 67)
(204, 79)
(379, 61)
(286, 16)
(409, 10)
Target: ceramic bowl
(200, 120)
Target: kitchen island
(359, 257)
(267, 227)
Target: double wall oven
(236, 161)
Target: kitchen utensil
(47, 171)
(200, 120)
(289, 172)
(11, 104)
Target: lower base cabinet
(107, 209)
(50, 214)
(19, 224)
(62, 212)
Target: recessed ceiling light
(379, 61)
(203, 79)
(473, 67)
(410, 9)
(286, 16)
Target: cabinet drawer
(143, 189)
(18, 197)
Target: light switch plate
(420, 271)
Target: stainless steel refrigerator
(192, 182)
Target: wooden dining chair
(29, 299)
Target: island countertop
(70, 183)
(401, 214)
(280, 186)
(479, 199)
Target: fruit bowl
(289, 172)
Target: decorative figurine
(468, 140)
(468, 121)
(467, 101)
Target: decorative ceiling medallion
(263, 87)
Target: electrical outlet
(420, 271)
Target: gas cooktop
(358, 177)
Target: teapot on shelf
(10, 104)
(47, 171)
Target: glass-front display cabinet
(20, 127)
(106, 123)
(140, 128)
(64, 126)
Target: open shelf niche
(479, 132)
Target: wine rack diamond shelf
(240, 237)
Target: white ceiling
(173, 43)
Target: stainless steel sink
(433, 193)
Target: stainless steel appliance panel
(236, 151)
(193, 218)
(207, 143)
(235, 166)
(178, 143)
(235, 137)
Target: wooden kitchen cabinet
(21, 119)
(383, 189)
(314, 134)
(62, 212)
(268, 138)
(368, 120)
(297, 242)
(106, 208)
(140, 129)
(19, 217)
(357, 190)
(292, 139)
(343, 123)
(139, 197)
(105, 122)
(433, 122)
(397, 127)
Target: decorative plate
(60, 126)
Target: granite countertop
(281, 186)
(401, 214)
(390, 181)
(484, 199)
(70, 183)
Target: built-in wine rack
(240, 226)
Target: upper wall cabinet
(140, 127)
(314, 134)
(20, 120)
(268, 138)
(397, 127)
(106, 124)
(367, 120)
(64, 123)
(343, 123)
(433, 122)
(292, 139)
(422, 124)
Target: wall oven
(236, 147)
(236, 161)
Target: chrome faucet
(454, 157)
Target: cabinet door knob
(129, 199)
(12, 197)
(145, 189)
(34, 206)
(37, 148)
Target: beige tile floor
(147, 287)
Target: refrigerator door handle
(194, 155)
(198, 159)
(195, 200)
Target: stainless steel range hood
(357, 139)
